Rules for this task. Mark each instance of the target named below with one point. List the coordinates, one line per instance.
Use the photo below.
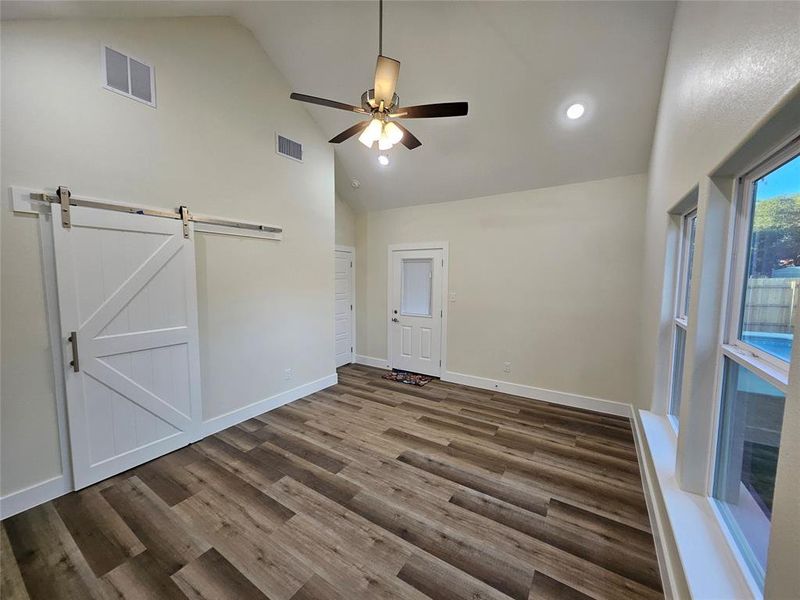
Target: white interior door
(415, 311)
(344, 307)
(126, 287)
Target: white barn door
(343, 317)
(126, 287)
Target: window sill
(707, 559)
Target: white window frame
(130, 57)
(680, 319)
(765, 365)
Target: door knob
(395, 320)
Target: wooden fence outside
(770, 304)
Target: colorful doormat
(406, 377)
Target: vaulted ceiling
(518, 64)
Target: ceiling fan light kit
(382, 105)
(372, 133)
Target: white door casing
(343, 317)
(416, 310)
(126, 285)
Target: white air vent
(289, 148)
(128, 76)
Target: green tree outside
(776, 235)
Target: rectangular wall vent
(289, 148)
(128, 76)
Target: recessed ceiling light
(575, 111)
(383, 159)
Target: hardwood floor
(370, 489)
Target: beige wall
(729, 64)
(547, 279)
(345, 223)
(263, 305)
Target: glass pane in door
(417, 276)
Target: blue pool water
(776, 344)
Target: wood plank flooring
(370, 489)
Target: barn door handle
(73, 339)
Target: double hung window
(765, 293)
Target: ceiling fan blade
(427, 111)
(409, 140)
(386, 72)
(326, 102)
(349, 132)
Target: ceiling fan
(382, 105)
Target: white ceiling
(518, 64)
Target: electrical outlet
(287, 374)
(506, 367)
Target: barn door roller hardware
(183, 211)
(65, 199)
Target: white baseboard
(371, 361)
(34, 495)
(50, 489)
(238, 415)
(609, 407)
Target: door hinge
(442, 262)
(351, 264)
(63, 197)
(351, 307)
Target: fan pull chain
(380, 27)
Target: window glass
(416, 286)
(677, 371)
(689, 233)
(749, 440)
(772, 279)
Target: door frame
(352, 251)
(445, 248)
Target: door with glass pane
(415, 311)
